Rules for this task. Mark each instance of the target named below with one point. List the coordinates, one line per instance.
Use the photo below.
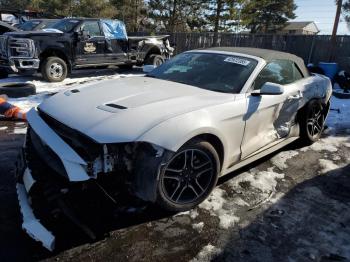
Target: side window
(277, 71)
(297, 73)
(92, 27)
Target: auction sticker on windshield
(236, 60)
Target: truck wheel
(3, 74)
(155, 60)
(189, 176)
(54, 69)
(311, 122)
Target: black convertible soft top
(266, 54)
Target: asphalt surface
(290, 206)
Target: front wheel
(54, 69)
(188, 177)
(312, 122)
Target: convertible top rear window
(211, 71)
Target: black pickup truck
(74, 43)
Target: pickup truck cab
(74, 43)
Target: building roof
(266, 54)
(299, 25)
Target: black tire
(54, 69)
(155, 60)
(183, 184)
(3, 73)
(15, 90)
(126, 66)
(312, 118)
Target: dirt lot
(290, 206)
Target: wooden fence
(312, 49)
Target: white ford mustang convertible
(167, 136)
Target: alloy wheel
(187, 176)
(315, 121)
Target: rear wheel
(188, 177)
(155, 60)
(312, 122)
(54, 69)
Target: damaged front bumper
(74, 166)
(31, 225)
(54, 181)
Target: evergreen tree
(133, 13)
(83, 8)
(14, 4)
(177, 15)
(267, 16)
(222, 14)
(346, 12)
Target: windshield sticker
(237, 61)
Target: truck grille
(3, 46)
(21, 47)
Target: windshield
(215, 72)
(28, 26)
(65, 25)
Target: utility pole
(335, 29)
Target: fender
(192, 125)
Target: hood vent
(116, 106)
(112, 108)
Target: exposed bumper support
(31, 224)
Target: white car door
(269, 117)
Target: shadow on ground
(309, 223)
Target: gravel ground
(290, 206)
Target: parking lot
(293, 205)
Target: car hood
(122, 110)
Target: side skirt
(259, 155)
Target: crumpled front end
(62, 174)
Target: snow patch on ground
(207, 254)
(327, 165)
(340, 120)
(281, 159)
(265, 181)
(20, 131)
(199, 226)
(217, 206)
(3, 128)
(192, 213)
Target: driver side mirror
(269, 89)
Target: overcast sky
(322, 12)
